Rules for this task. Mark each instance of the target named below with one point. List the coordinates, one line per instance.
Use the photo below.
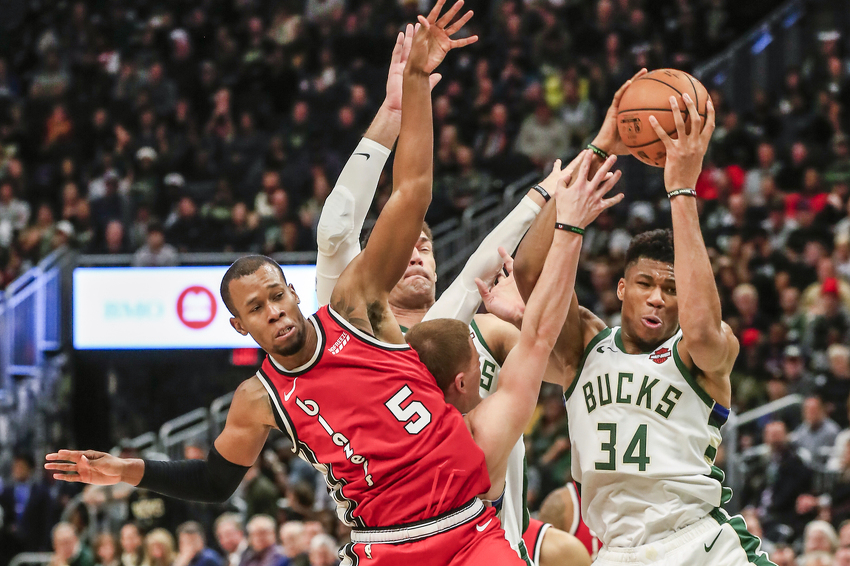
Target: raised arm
(461, 299)
(361, 293)
(499, 420)
(345, 210)
(708, 343)
(210, 481)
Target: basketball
(650, 96)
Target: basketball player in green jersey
(646, 400)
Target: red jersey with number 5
(370, 417)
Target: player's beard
(296, 344)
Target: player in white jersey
(645, 401)
(413, 299)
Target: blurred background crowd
(162, 128)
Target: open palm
(433, 39)
(395, 77)
(96, 468)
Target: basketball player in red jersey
(353, 396)
(562, 509)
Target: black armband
(209, 481)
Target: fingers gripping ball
(650, 96)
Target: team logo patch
(660, 355)
(340, 343)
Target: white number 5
(405, 414)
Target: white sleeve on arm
(345, 209)
(460, 301)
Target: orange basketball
(650, 96)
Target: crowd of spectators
(209, 125)
(281, 515)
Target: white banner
(151, 308)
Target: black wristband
(597, 151)
(569, 228)
(546, 196)
(677, 192)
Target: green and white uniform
(644, 436)
(513, 513)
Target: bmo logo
(196, 307)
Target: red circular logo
(196, 307)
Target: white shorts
(714, 540)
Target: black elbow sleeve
(208, 481)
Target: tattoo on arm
(341, 305)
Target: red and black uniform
(581, 531)
(396, 457)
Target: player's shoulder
(251, 400)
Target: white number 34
(404, 414)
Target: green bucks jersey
(512, 514)
(644, 436)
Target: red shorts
(478, 542)
(533, 539)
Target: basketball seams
(662, 82)
(649, 143)
(693, 86)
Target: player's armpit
(365, 310)
(248, 422)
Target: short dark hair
(192, 528)
(443, 346)
(243, 267)
(654, 244)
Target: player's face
(417, 287)
(268, 310)
(650, 308)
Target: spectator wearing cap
(817, 432)
(262, 547)
(144, 190)
(192, 549)
(794, 372)
(156, 252)
(231, 538)
(825, 270)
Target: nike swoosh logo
(286, 396)
(480, 528)
(709, 547)
(366, 155)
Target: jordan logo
(340, 343)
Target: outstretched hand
(89, 466)
(503, 298)
(433, 39)
(608, 138)
(395, 77)
(550, 183)
(585, 199)
(685, 154)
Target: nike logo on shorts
(366, 155)
(286, 396)
(480, 528)
(708, 547)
